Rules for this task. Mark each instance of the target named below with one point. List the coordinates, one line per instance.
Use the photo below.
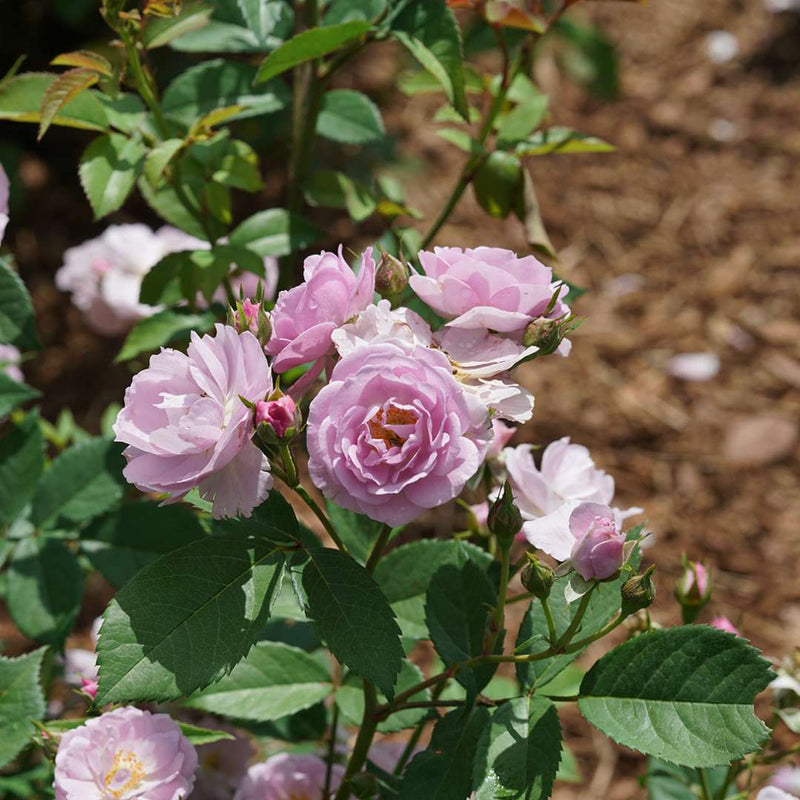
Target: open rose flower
(394, 433)
(304, 318)
(185, 424)
(125, 754)
(288, 777)
(382, 323)
(596, 552)
(9, 362)
(774, 793)
(787, 779)
(548, 495)
(3, 202)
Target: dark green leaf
(519, 752)
(356, 531)
(684, 695)
(21, 463)
(132, 536)
(308, 45)
(21, 700)
(217, 84)
(337, 190)
(431, 34)
(353, 617)
(166, 202)
(108, 171)
(275, 232)
(187, 619)
(444, 771)
(457, 609)
(667, 781)
(81, 483)
(13, 394)
(350, 117)
(405, 573)
(273, 681)
(16, 310)
(45, 585)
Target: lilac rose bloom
(774, 793)
(305, 317)
(288, 777)
(9, 362)
(123, 755)
(597, 552)
(488, 289)
(185, 424)
(787, 779)
(393, 433)
(3, 202)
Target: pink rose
(126, 753)
(694, 583)
(774, 793)
(3, 201)
(222, 765)
(724, 624)
(280, 414)
(548, 495)
(186, 425)
(488, 288)
(288, 777)
(393, 433)
(305, 317)
(9, 362)
(597, 551)
(787, 779)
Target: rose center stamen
(393, 416)
(126, 774)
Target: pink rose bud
(724, 624)
(693, 589)
(391, 276)
(250, 316)
(125, 753)
(597, 552)
(89, 687)
(281, 415)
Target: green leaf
(603, 605)
(310, 44)
(134, 535)
(13, 394)
(521, 121)
(339, 11)
(159, 31)
(528, 210)
(187, 619)
(405, 573)
(326, 187)
(429, 31)
(125, 112)
(275, 232)
(350, 117)
(684, 695)
(159, 158)
(263, 16)
(199, 736)
(444, 770)
(462, 140)
(497, 183)
(519, 752)
(457, 610)
(81, 483)
(21, 100)
(273, 681)
(350, 699)
(17, 325)
(67, 86)
(218, 84)
(108, 170)
(356, 531)
(667, 781)
(167, 204)
(44, 589)
(353, 617)
(21, 463)
(274, 521)
(568, 770)
(162, 328)
(561, 140)
(21, 700)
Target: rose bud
(391, 276)
(598, 550)
(693, 589)
(277, 419)
(537, 577)
(504, 519)
(724, 624)
(89, 687)
(638, 592)
(250, 316)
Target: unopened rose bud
(546, 334)
(724, 624)
(598, 550)
(391, 276)
(693, 589)
(638, 592)
(250, 316)
(277, 419)
(537, 577)
(89, 687)
(504, 519)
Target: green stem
(704, 785)
(576, 622)
(733, 771)
(415, 736)
(369, 724)
(331, 750)
(519, 598)
(499, 617)
(142, 82)
(289, 465)
(320, 514)
(551, 623)
(378, 548)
